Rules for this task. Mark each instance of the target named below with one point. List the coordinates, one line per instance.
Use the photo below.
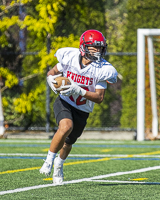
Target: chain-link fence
(110, 116)
(26, 98)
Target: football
(61, 81)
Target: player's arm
(53, 71)
(96, 96)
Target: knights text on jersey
(86, 78)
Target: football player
(89, 74)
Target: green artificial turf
(21, 171)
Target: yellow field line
(19, 170)
(150, 153)
(87, 161)
(139, 179)
(78, 162)
(142, 154)
(65, 164)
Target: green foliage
(116, 17)
(106, 114)
(10, 116)
(10, 77)
(23, 104)
(61, 20)
(80, 15)
(141, 14)
(123, 38)
(57, 42)
(31, 101)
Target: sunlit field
(94, 170)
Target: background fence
(30, 34)
(109, 117)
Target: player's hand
(51, 81)
(72, 89)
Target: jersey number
(79, 100)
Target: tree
(138, 14)
(39, 23)
(64, 26)
(115, 13)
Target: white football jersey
(86, 78)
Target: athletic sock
(59, 161)
(51, 156)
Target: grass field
(94, 170)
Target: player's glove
(51, 81)
(72, 89)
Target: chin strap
(80, 61)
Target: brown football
(61, 81)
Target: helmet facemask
(94, 56)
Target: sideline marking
(94, 178)
(49, 141)
(96, 144)
(132, 182)
(151, 154)
(70, 155)
(75, 163)
(106, 150)
(139, 179)
(87, 161)
(47, 179)
(45, 150)
(65, 164)
(19, 170)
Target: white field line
(24, 141)
(80, 180)
(132, 182)
(49, 141)
(79, 155)
(79, 141)
(70, 155)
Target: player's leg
(65, 127)
(64, 120)
(65, 150)
(58, 163)
(79, 124)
